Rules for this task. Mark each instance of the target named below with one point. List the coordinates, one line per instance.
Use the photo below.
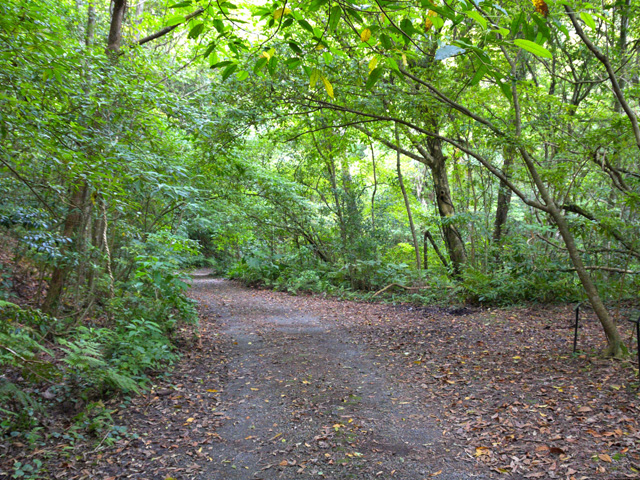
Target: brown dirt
(284, 387)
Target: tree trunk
(115, 31)
(614, 348)
(91, 24)
(452, 237)
(60, 272)
(504, 196)
(407, 204)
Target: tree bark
(614, 348)
(114, 40)
(407, 205)
(60, 272)
(504, 196)
(91, 24)
(452, 237)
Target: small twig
(401, 286)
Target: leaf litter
(283, 386)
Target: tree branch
(165, 30)
(612, 76)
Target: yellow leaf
(277, 15)
(373, 64)
(269, 53)
(315, 76)
(365, 35)
(254, 389)
(189, 420)
(482, 451)
(404, 60)
(541, 7)
(327, 86)
(428, 24)
(211, 390)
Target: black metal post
(637, 322)
(575, 335)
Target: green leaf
(407, 26)
(186, 3)
(224, 63)
(306, 25)
(438, 22)
(226, 73)
(515, 24)
(533, 47)
(478, 76)
(327, 57)
(477, 17)
(294, 46)
(374, 76)
(271, 65)
(393, 65)
(588, 19)
(334, 17)
(196, 30)
(262, 61)
(293, 63)
(218, 25)
(315, 76)
(242, 75)
(175, 20)
(506, 90)
(385, 41)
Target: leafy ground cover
(283, 386)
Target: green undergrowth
(59, 374)
(506, 283)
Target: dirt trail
(302, 397)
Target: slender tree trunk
(425, 251)
(407, 205)
(427, 235)
(614, 347)
(375, 187)
(622, 46)
(91, 24)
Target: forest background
(447, 152)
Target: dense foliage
(457, 152)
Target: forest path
(283, 387)
(302, 397)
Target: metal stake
(575, 335)
(637, 322)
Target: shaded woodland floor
(283, 386)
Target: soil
(287, 387)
